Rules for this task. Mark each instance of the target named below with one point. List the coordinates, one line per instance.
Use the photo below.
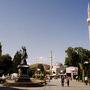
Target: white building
(57, 69)
(54, 69)
(72, 71)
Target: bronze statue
(23, 68)
(24, 56)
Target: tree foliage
(76, 55)
(34, 70)
(16, 61)
(19, 58)
(6, 63)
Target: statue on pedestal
(23, 68)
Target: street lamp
(38, 69)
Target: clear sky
(42, 26)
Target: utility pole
(51, 58)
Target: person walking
(45, 79)
(67, 80)
(89, 81)
(76, 78)
(62, 80)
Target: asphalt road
(54, 84)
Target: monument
(23, 79)
(23, 72)
(23, 68)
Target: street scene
(44, 44)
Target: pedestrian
(45, 79)
(48, 78)
(62, 80)
(67, 80)
(89, 81)
(86, 80)
(76, 78)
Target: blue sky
(42, 26)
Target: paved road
(55, 85)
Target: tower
(88, 19)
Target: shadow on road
(8, 88)
(51, 85)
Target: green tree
(72, 57)
(42, 71)
(6, 63)
(76, 55)
(16, 61)
(83, 54)
(37, 69)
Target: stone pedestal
(23, 71)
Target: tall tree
(76, 55)
(16, 61)
(19, 58)
(72, 57)
(6, 63)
